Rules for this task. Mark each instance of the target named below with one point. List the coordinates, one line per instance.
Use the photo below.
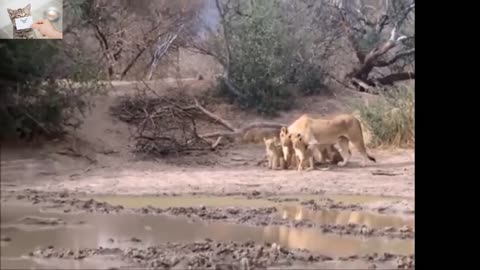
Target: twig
(387, 173)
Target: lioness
(274, 153)
(340, 129)
(303, 152)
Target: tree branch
(396, 77)
(104, 44)
(225, 37)
(405, 15)
(395, 58)
(130, 65)
(214, 118)
(351, 37)
(382, 22)
(244, 129)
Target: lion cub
(303, 152)
(287, 148)
(328, 153)
(274, 153)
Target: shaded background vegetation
(265, 54)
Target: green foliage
(43, 89)
(311, 80)
(257, 61)
(392, 117)
(268, 57)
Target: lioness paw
(342, 163)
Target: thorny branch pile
(171, 125)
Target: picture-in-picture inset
(31, 19)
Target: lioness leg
(360, 145)
(344, 151)
(324, 154)
(317, 151)
(311, 164)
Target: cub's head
(299, 142)
(285, 138)
(19, 13)
(272, 143)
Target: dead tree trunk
(360, 76)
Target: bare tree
(130, 35)
(216, 42)
(376, 36)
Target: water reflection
(344, 217)
(100, 228)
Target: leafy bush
(392, 117)
(311, 80)
(267, 57)
(34, 99)
(257, 59)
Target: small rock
(405, 229)
(388, 229)
(364, 230)
(136, 240)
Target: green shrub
(392, 117)
(37, 94)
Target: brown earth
(98, 159)
(102, 161)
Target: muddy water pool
(117, 230)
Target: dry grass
(392, 117)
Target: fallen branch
(213, 117)
(241, 131)
(387, 173)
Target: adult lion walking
(340, 129)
